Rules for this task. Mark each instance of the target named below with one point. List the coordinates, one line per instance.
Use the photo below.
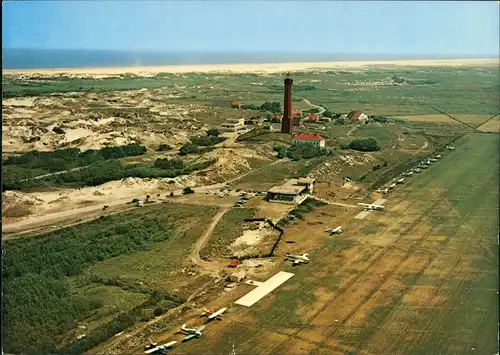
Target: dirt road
(200, 243)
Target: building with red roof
(309, 138)
(357, 116)
(296, 112)
(313, 117)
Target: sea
(64, 58)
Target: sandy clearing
(250, 237)
(249, 67)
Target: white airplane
(192, 332)
(433, 159)
(438, 156)
(410, 173)
(400, 181)
(371, 206)
(298, 259)
(450, 147)
(213, 315)
(153, 348)
(334, 230)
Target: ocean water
(42, 58)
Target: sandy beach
(249, 67)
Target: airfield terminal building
(294, 191)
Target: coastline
(249, 67)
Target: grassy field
(459, 90)
(419, 278)
(104, 274)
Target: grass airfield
(420, 278)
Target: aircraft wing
(218, 313)
(297, 261)
(190, 336)
(152, 350)
(200, 328)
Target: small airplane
(433, 159)
(410, 173)
(191, 332)
(400, 181)
(213, 315)
(438, 156)
(449, 147)
(154, 348)
(371, 206)
(298, 259)
(334, 230)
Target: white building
(357, 116)
(294, 191)
(233, 125)
(309, 138)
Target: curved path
(200, 243)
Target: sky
(389, 27)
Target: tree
(189, 148)
(187, 190)
(329, 113)
(214, 132)
(364, 145)
(274, 107)
(164, 147)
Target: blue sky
(390, 27)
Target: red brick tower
(286, 123)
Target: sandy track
(200, 243)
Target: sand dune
(251, 67)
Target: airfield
(417, 278)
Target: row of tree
(62, 159)
(110, 170)
(37, 303)
(300, 151)
(363, 145)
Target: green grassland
(106, 274)
(465, 90)
(431, 288)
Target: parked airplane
(409, 173)
(298, 259)
(433, 159)
(213, 315)
(334, 230)
(371, 206)
(191, 332)
(153, 348)
(438, 156)
(400, 181)
(449, 147)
